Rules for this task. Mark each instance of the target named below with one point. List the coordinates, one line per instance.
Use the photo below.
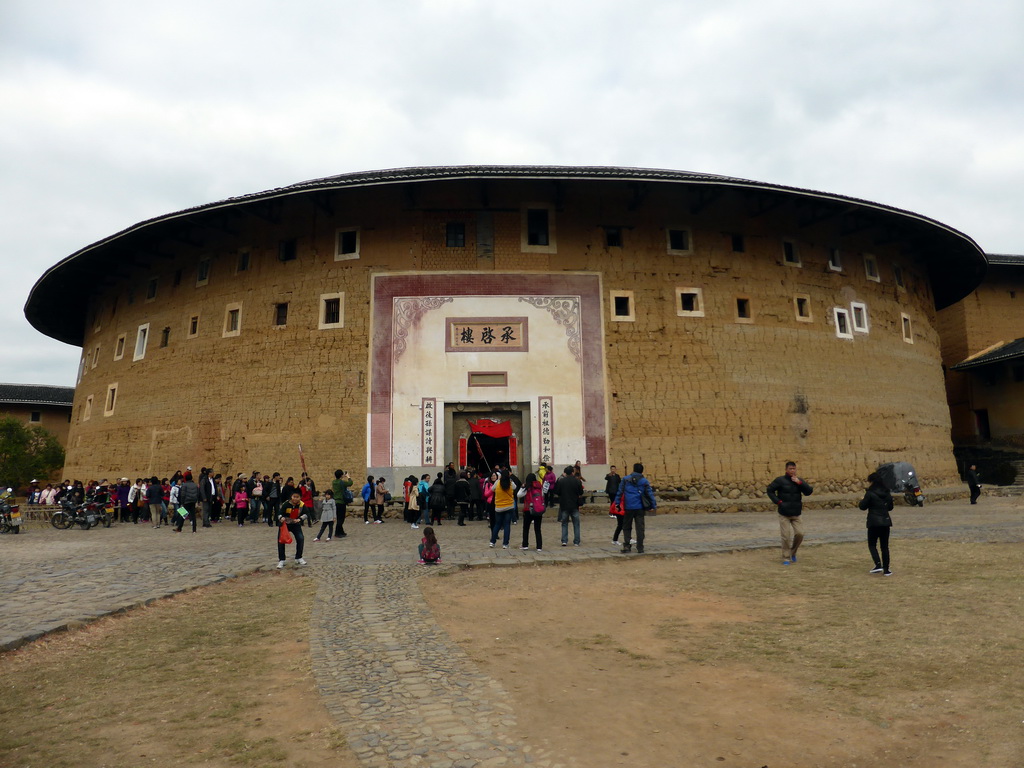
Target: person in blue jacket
(637, 497)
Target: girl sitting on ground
(430, 550)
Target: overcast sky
(118, 111)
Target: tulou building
(398, 320)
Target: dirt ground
(731, 660)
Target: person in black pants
(973, 483)
(292, 516)
(878, 503)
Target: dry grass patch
(214, 677)
(734, 660)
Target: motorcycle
(10, 514)
(85, 515)
(900, 477)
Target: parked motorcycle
(10, 514)
(85, 515)
(900, 477)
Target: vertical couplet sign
(547, 432)
(428, 410)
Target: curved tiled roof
(36, 394)
(1005, 259)
(1003, 352)
(957, 263)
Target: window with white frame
(96, 356)
(859, 316)
(802, 308)
(332, 310)
(119, 346)
(141, 337)
(835, 260)
(907, 327)
(871, 268)
(537, 233)
(232, 320)
(744, 309)
(689, 302)
(87, 413)
(622, 305)
(346, 243)
(203, 271)
(680, 241)
(842, 320)
(897, 276)
(193, 327)
(110, 401)
(790, 254)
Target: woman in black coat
(878, 503)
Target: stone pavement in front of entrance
(403, 692)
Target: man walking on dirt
(786, 493)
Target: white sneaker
(300, 561)
(328, 538)
(415, 526)
(504, 546)
(632, 541)
(281, 564)
(617, 544)
(491, 545)
(366, 522)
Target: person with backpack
(533, 511)
(429, 549)
(637, 499)
(437, 500)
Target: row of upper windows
(689, 302)
(331, 315)
(537, 236)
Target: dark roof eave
(63, 320)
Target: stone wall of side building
(708, 401)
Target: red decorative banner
(513, 452)
(462, 451)
(491, 427)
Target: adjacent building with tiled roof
(39, 404)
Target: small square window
(790, 255)
(908, 328)
(151, 290)
(287, 250)
(871, 268)
(193, 327)
(165, 337)
(537, 227)
(537, 233)
(281, 314)
(346, 244)
(203, 272)
(622, 306)
(859, 315)
(111, 400)
(455, 234)
(842, 319)
(119, 347)
(613, 237)
(232, 320)
(744, 310)
(802, 308)
(897, 276)
(835, 260)
(739, 244)
(332, 310)
(679, 241)
(244, 261)
(689, 302)
(141, 337)
(35, 417)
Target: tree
(27, 453)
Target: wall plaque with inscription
(486, 334)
